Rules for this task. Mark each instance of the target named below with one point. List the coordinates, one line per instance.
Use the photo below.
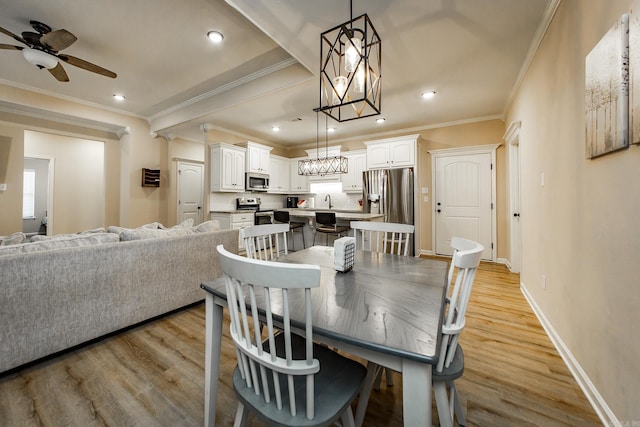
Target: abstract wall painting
(607, 92)
(634, 73)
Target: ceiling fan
(43, 47)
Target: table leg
(416, 393)
(213, 338)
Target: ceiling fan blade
(10, 47)
(59, 73)
(81, 63)
(58, 40)
(15, 37)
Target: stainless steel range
(253, 204)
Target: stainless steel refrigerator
(390, 192)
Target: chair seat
(455, 369)
(336, 385)
(296, 225)
(327, 229)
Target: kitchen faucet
(328, 196)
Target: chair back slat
(264, 241)
(464, 264)
(258, 361)
(385, 237)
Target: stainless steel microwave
(256, 181)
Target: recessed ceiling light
(331, 130)
(429, 94)
(118, 97)
(380, 120)
(215, 36)
(276, 128)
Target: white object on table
(344, 252)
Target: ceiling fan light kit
(39, 58)
(350, 70)
(43, 49)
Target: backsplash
(343, 201)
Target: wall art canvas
(607, 92)
(634, 73)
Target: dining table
(387, 309)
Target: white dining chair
(285, 380)
(465, 261)
(464, 264)
(386, 237)
(263, 241)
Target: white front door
(190, 191)
(463, 201)
(512, 136)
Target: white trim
(512, 137)
(504, 261)
(607, 416)
(549, 13)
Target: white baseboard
(425, 252)
(607, 416)
(504, 261)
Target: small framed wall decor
(607, 92)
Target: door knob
(516, 215)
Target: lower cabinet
(234, 221)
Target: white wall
(580, 229)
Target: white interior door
(190, 191)
(512, 136)
(463, 201)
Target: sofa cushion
(69, 242)
(145, 233)
(14, 239)
(213, 225)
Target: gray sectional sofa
(58, 293)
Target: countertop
(232, 211)
(340, 214)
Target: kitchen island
(343, 217)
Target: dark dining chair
(326, 223)
(284, 218)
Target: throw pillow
(187, 223)
(15, 239)
(213, 225)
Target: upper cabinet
(357, 163)
(227, 167)
(392, 153)
(258, 157)
(279, 177)
(299, 183)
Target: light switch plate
(3, 187)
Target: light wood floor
(153, 375)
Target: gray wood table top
(387, 303)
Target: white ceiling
(265, 72)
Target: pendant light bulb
(339, 88)
(352, 54)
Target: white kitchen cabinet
(357, 163)
(299, 183)
(279, 176)
(258, 157)
(227, 168)
(392, 153)
(234, 221)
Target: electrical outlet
(3, 187)
(543, 281)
